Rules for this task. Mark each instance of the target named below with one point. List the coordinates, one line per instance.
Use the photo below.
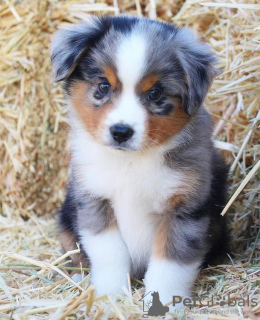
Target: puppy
(147, 185)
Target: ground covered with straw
(34, 156)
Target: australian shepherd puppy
(147, 185)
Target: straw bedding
(34, 157)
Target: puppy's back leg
(69, 243)
(67, 234)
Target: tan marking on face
(161, 128)
(92, 117)
(148, 82)
(111, 76)
(68, 242)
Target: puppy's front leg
(109, 258)
(178, 251)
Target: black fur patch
(200, 71)
(218, 234)
(72, 45)
(68, 213)
(164, 109)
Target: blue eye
(155, 94)
(104, 87)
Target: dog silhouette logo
(154, 305)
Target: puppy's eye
(155, 94)
(104, 87)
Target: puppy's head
(134, 83)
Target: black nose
(121, 132)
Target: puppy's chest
(143, 182)
(138, 189)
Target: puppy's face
(134, 83)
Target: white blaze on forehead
(130, 59)
(130, 62)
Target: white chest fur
(138, 187)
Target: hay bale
(34, 283)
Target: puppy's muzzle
(121, 132)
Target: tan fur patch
(111, 76)
(68, 242)
(148, 82)
(92, 117)
(160, 240)
(176, 200)
(185, 191)
(161, 128)
(161, 246)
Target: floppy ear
(70, 43)
(198, 62)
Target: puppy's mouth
(121, 146)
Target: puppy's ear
(70, 43)
(198, 63)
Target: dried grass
(34, 280)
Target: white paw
(109, 281)
(176, 307)
(171, 281)
(77, 277)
